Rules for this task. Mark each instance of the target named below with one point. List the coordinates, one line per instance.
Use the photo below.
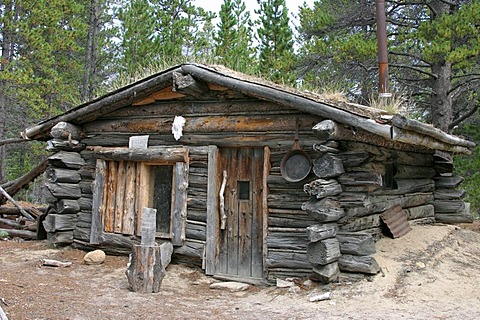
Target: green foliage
(276, 58)
(233, 41)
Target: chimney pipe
(383, 88)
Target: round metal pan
(296, 164)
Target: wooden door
(241, 241)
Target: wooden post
(146, 271)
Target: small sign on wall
(138, 142)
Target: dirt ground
(430, 273)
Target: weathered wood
(64, 190)
(448, 206)
(145, 272)
(415, 138)
(59, 222)
(164, 154)
(325, 274)
(323, 252)
(353, 158)
(324, 210)
(448, 182)
(62, 175)
(360, 244)
(361, 264)
(129, 210)
(290, 221)
(13, 187)
(404, 186)
(67, 206)
(14, 211)
(213, 220)
(449, 194)
(409, 172)
(179, 216)
(420, 212)
(382, 203)
(319, 232)
(321, 188)
(55, 263)
(359, 224)
(191, 249)
(65, 159)
(61, 145)
(287, 240)
(463, 216)
(196, 230)
(20, 233)
(85, 203)
(98, 190)
(189, 85)
(11, 223)
(60, 238)
(416, 126)
(287, 259)
(66, 131)
(327, 166)
(22, 211)
(361, 178)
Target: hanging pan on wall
(296, 164)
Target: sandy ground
(430, 273)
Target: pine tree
(275, 38)
(234, 39)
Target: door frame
(215, 177)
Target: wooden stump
(145, 272)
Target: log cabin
(251, 180)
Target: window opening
(243, 190)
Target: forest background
(56, 54)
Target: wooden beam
(213, 221)
(189, 85)
(98, 187)
(152, 154)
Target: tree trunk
(91, 50)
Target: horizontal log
(84, 220)
(20, 233)
(327, 166)
(353, 158)
(64, 190)
(361, 264)
(359, 244)
(62, 175)
(290, 221)
(448, 182)
(463, 216)
(319, 232)
(287, 240)
(449, 194)
(359, 224)
(60, 238)
(287, 259)
(321, 188)
(409, 172)
(420, 212)
(448, 206)
(404, 186)
(11, 223)
(163, 154)
(67, 206)
(361, 178)
(324, 210)
(60, 145)
(190, 249)
(197, 231)
(65, 159)
(59, 222)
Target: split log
(158, 153)
(404, 186)
(359, 244)
(145, 271)
(319, 232)
(327, 166)
(59, 222)
(463, 216)
(448, 206)
(324, 210)
(14, 211)
(325, 274)
(287, 240)
(60, 145)
(64, 190)
(420, 212)
(359, 224)
(323, 188)
(66, 131)
(62, 175)
(67, 206)
(449, 194)
(323, 252)
(20, 233)
(190, 248)
(11, 223)
(361, 264)
(65, 159)
(448, 182)
(361, 178)
(288, 259)
(189, 85)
